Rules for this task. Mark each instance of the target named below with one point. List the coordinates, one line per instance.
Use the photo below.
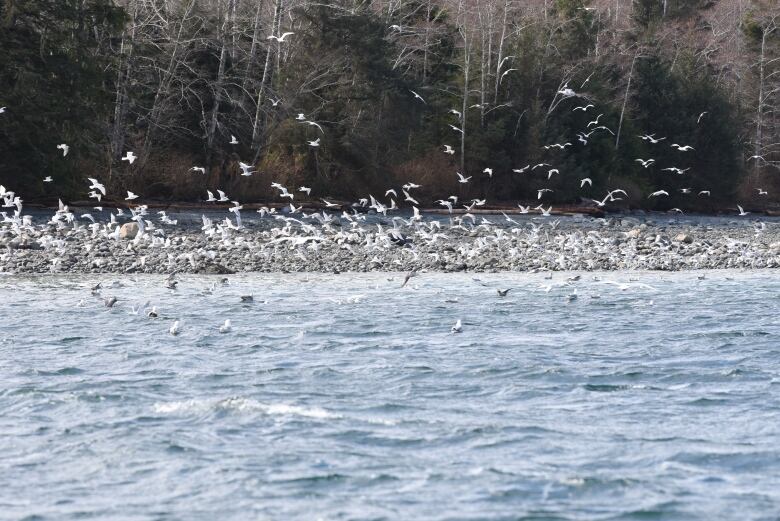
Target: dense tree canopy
(389, 84)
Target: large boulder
(128, 231)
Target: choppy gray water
(345, 397)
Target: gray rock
(128, 231)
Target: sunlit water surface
(648, 396)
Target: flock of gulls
(306, 234)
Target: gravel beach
(490, 243)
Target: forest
(351, 98)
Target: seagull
(225, 328)
(247, 298)
(391, 191)
(595, 121)
(521, 170)
(130, 196)
(540, 192)
(682, 148)
(175, 329)
(281, 38)
(645, 163)
(65, 149)
(200, 169)
(462, 179)
(488, 171)
(503, 292)
(95, 185)
(651, 138)
(761, 192)
(583, 108)
(585, 181)
(314, 143)
(233, 140)
(456, 129)
(222, 197)
(246, 170)
(408, 276)
(2, 110)
(567, 92)
(448, 150)
(676, 170)
(742, 212)
(457, 113)
(458, 327)
(540, 165)
(418, 96)
(700, 116)
(504, 74)
(109, 301)
(48, 179)
(130, 157)
(658, 193)
(705, 192)
(551, 172)
(328, 204)
(211, 198)
(305, 189)
(153, 312)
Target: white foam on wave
(238, 404)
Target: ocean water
(618, 396)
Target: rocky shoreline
(268, 245)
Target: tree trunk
(257, 128)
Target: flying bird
(645, 163)
(281, 38)
(65, 149)
(418, 96)
(129, 157)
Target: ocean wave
(238, 404)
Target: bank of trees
(176, 80)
